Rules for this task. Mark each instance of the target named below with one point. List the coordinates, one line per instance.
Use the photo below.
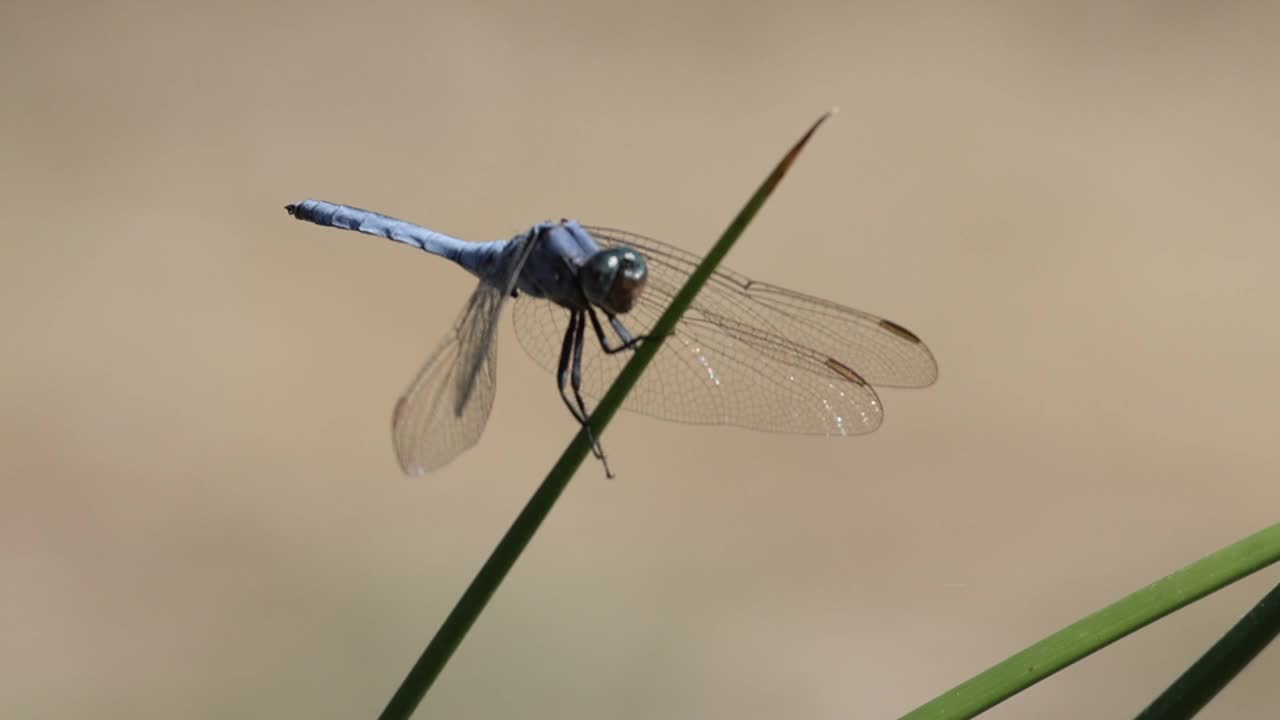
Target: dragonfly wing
(882, 352)
(746, 354)
(445, 409)
(703, 375)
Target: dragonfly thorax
(613, 279)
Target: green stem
(1219, 666)
(1104, 627)
(504, 556)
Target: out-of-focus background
(202, 516)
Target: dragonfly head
(613, 279)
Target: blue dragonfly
(746, 353)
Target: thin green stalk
(1104, 627)
(1219, 666)
(504, 556)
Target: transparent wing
(747, 354)
(883, 352)
(445, 409)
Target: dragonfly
(746, 353)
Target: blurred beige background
(1075, 206)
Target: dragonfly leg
(580, 342)
(628, 342)
(562, 370)
(571, 349)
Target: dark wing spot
(845, 371)
(900, 331)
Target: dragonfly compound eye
(613, 279)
